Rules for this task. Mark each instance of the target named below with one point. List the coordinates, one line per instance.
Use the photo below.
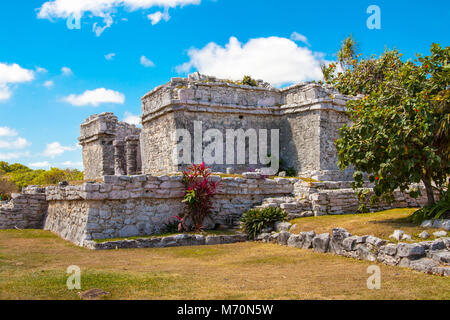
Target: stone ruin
(110, 147)
(133, 184)
(307, 116)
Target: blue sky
(150, 41)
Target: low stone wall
(128, 206)
(25, 210)
(431, 257)
(339, 198)
(166, 242)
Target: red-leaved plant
(199, 192)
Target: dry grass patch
(33, 265)
(381, 224)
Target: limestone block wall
(98, 133)
(124, 206)
(307, 115)
(26, 210)
(325, 198)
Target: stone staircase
(294, 206)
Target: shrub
(172, 225)
(439, 210)
(255, 220)
(249, 81)
(199, 193)
(23, 176)
(6, 188)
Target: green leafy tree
(400, 115)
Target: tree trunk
(429, 189)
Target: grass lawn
(33, 265)
(380, 224)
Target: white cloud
(7, 132)
(43, 164)
(156, 17)
(110, 56)
(49, 84)
(10, 139)
(95, 97)
(12, 74)
(5, 92)
(147, 62)
(99, 30)
(41, 70)
(102, 8)
(299, 37)
(277, 60)
(66, 71)
(55, 149)
(132, 118)
(14, 155)
(18, 143)
(72, 164)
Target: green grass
(381, 224)
(33, 265)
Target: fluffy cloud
(55, 149)
(18, 143)
(49, 84)
(41, 70)
(110, 56)
(66, 71)
(43, 164)
(72, 164)
(132, 118)
(147, 62)
(277, 60)
(9, 139)
(103, 9)
(299, 37)
(95, 97)
(11, 74)
(7, 132)
(14, 155)
(156, 17)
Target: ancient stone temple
(305, 118)
(133, 186)
(110, 147)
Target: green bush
(23, 176)
(249, 81)
(255, 220)
(439, 210)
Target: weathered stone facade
(101, 138)
(126, 206)
(306, 118)
(25, 210)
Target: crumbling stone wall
(124, 206)
(323, 198)
(98, 134)
(25, 210)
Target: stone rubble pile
(431, 257)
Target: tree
(400, 115)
